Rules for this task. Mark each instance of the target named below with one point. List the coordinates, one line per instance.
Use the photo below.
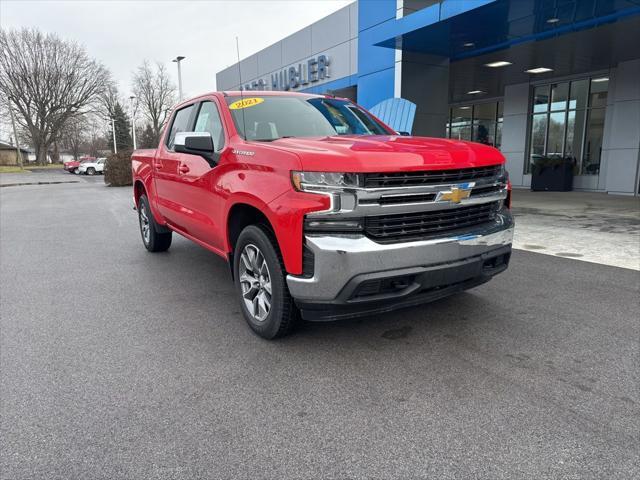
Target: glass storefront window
(484, 123)
(541, 99)
(579, 92)
(461, 122)
(555, 137)
(575, 132)
(568, 122)
(598, 96)
(593, 142)
(538, 136)
(481, 123)
(559, 95)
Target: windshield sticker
(246, 103)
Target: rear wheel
(153, 239)
(261, 285)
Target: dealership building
(534, 78)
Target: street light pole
(133, 122)
(113, 129)
(177, 60)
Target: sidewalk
(594, 227)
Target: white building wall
(335, 36)
(621, 143)
(514, 132)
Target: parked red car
(321, 209)
(72, 165)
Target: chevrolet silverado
(321, 210)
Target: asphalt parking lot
(116, 363)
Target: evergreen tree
(147, 138)
(123, 129)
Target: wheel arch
(239, 216)
(138, 190)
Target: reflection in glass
(574, 125)
(461, 122)
(538, 132)
(559, 94)
(598, 97)
(575, 130)
(461, 132)
(484, 123)
(555, 140)
(593, 142)
(541, 99)
(578, 96)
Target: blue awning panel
(461, 29)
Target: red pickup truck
(320, 209)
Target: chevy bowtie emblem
(456, 195)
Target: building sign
(315, 69)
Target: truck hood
(387, 153)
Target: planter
(556, 177)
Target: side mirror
(195, 143)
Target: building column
(425, 82)
(514, 132)
(620, 160)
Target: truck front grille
(434, 177)
(430, 224)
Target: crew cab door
(198, 179)
(186, 182)
(166, 169)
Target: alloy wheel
(144, 223)
(255, 282)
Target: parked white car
(92, 167)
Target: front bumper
(353, 275)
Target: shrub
(542, 163)
(117, 170)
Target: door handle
(184, 169)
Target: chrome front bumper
(339, 259)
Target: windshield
(271, 117)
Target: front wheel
(261, 285)
(91, 171)
(152, 238)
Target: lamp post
(133, 122)
(113, 130)
(177, 60)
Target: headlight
(503, 174)
(309, 181)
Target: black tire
(156, 240)
(91, 171)
(282, 314)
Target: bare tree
(156, 94)
(108, 99)
(73, 134)
(49, 81)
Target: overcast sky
(121, 34)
